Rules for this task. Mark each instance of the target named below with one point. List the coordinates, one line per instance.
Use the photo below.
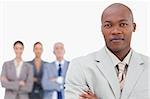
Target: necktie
(59, 93)
(59, 70)
(121, 74)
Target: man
(114, 72)
(54, 74)
(37, 64)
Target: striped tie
(121, 74)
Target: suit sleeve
(29, 81)
(75, 82)
(8, 84)
(48, 84)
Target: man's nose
(115, 30)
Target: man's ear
(134, 27)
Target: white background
(76, 23)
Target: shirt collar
(20, 64)
(60, 62)
(115, 60)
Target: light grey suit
(13, 90)
(96, 72)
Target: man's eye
(107, 25)
(123, 24)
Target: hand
(88, 95)
(60, 80)
(52, 79)
(22, 83)
(3, 78)
(34, 79)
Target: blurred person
(37, 64)
(54, 74)
(16, 75)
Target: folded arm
(75, 83)
(28, 83)
(48, 82)
(5, 82)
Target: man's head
(59, 50)
(38, 49)
(117, 27)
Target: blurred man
(54, 74)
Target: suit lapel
(22, 71)
(13, 69)
(135, 69)
(105, 65)
(55, 71)
(64, 69)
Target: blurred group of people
(35, 79)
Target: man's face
(117, 27)
(59, 50)
(38, 50)
(18, 48)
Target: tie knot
(121, 66)
(59, 65)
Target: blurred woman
(16, 76)
(37, 65)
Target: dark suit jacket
(37, 90)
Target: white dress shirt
(18, 68)
(115, 59)
(54, 96)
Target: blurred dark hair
(37, 43)
(18, 42)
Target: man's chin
(116, 49)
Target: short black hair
(118, 4)
(37, 43)
(19, 42)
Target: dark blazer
(37, 90)
(12, 87)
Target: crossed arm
(20, 86)
(75, 84)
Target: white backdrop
(75, 23)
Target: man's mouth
(117, 39)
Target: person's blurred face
(117, 27)
(59, 50)
(38, 49)
(18, 48)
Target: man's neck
(59, 59)
(121, 54)
(37, 58)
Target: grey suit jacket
(96, 72)
(50, 85)
(12, 88)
